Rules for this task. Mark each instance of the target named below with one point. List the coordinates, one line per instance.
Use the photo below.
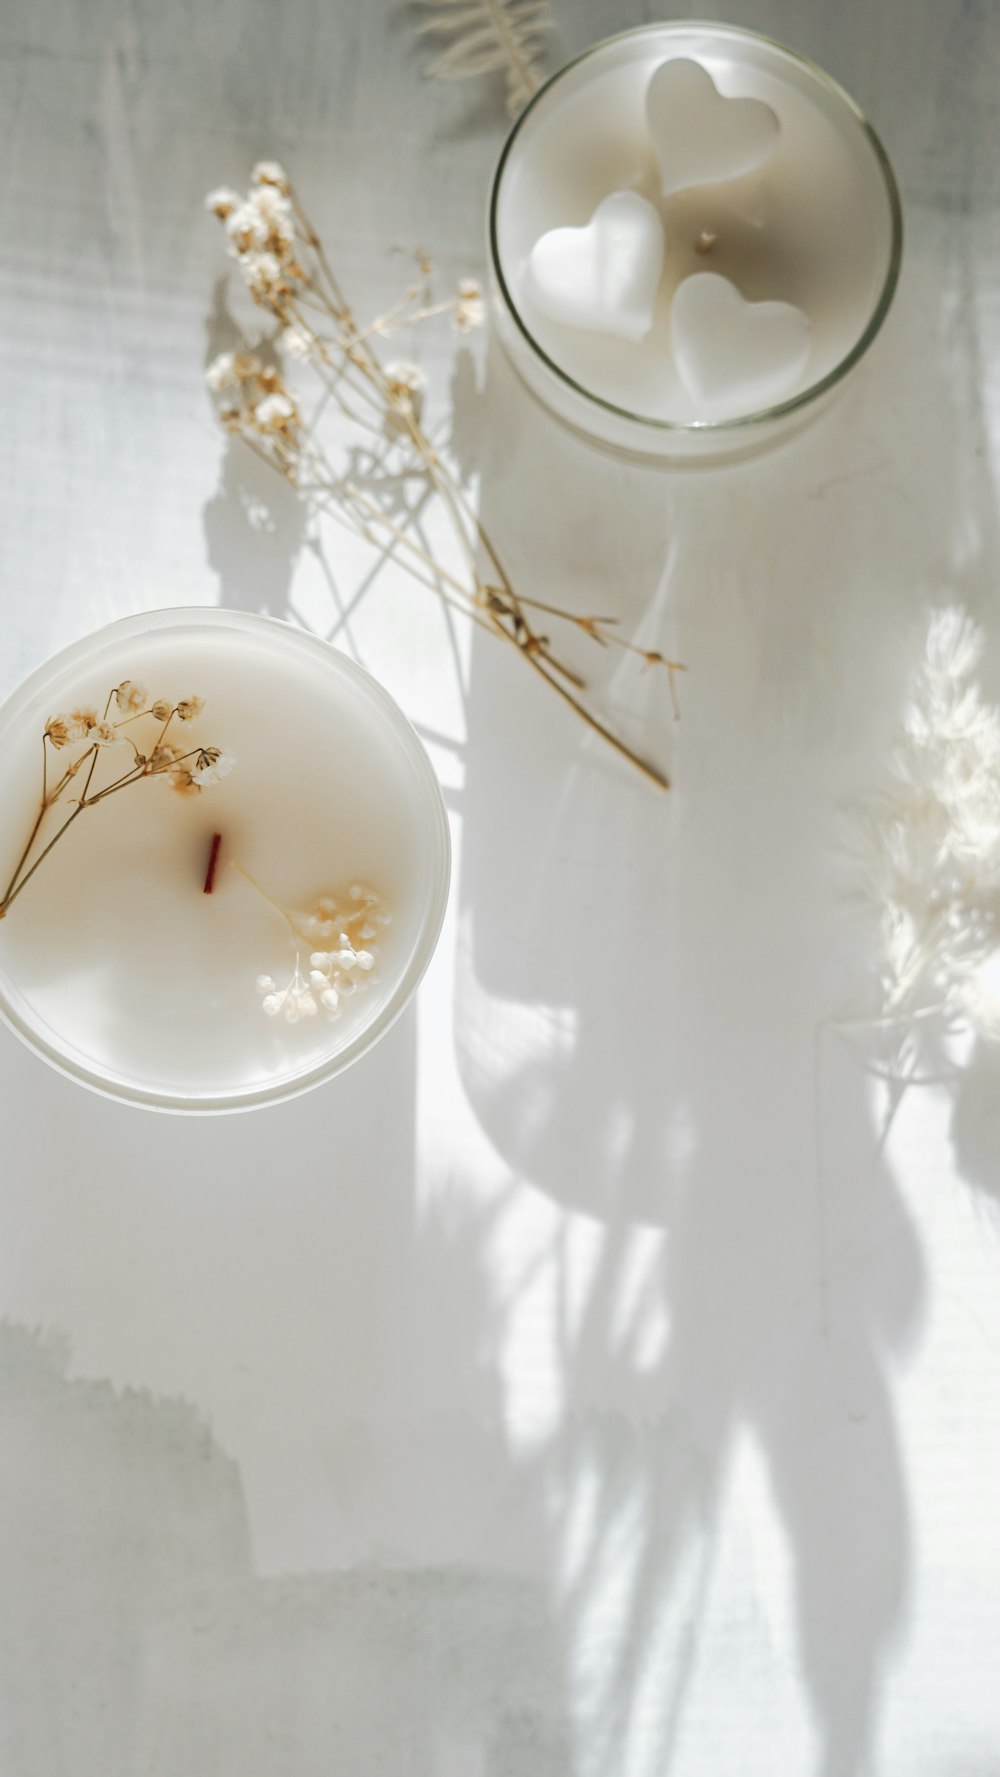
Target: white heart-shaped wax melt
(605, 275)
(735, 357)
(700, 136)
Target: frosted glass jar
(820, 226)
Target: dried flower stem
(288, 272)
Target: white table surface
(585, 1385)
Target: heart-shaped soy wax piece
(605, 275)
(701, 137)
(735, 357)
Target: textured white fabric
(600, 1380)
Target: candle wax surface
(114, 953)
(811, 228)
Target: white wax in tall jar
(114, 953)
(811, 228)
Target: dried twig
(286, 269)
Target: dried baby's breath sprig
(287, 271)
(490, 37)
(138, 737)
(339, 935)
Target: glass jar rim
(741, 424)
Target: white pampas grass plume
(930, 839)
(490, 37)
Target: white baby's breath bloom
(81, 722)
(232, 370)
(263, 275)
(189, 708)
(470, 309)
(130, 697)
(222, 201)
(247, 228)
(183, 780)
(340, 964)
(275, 413)
(294, 343)
(406, 385)
(270, 172)
(162, 758)
(221, 372)
(275, 212)
(294, 1002)
(104, 734)
(215, 770)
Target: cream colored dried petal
(57, 731)
(162, 710)
(189, 708)
(270, 172)
(405, 389)
(162, 757)
(81, 722)
(247, 228)
(130, 697)
(183, 781)
(104, 734)
(276, 413)
(216, 766)
(263, 275)
(221, 372)
(470, 309)
(295, 343)
(222, 201)
(275, 212)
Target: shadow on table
(255, 524)
(640, 988)
(138, 1636)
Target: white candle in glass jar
(814, 225)
(116, 966)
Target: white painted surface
(578, 1386)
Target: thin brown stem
(11, 897)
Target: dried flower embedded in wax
(214, 767)
(131, 698)
(336, 942)
(105, 734)
(57, 731)
(122, 746)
